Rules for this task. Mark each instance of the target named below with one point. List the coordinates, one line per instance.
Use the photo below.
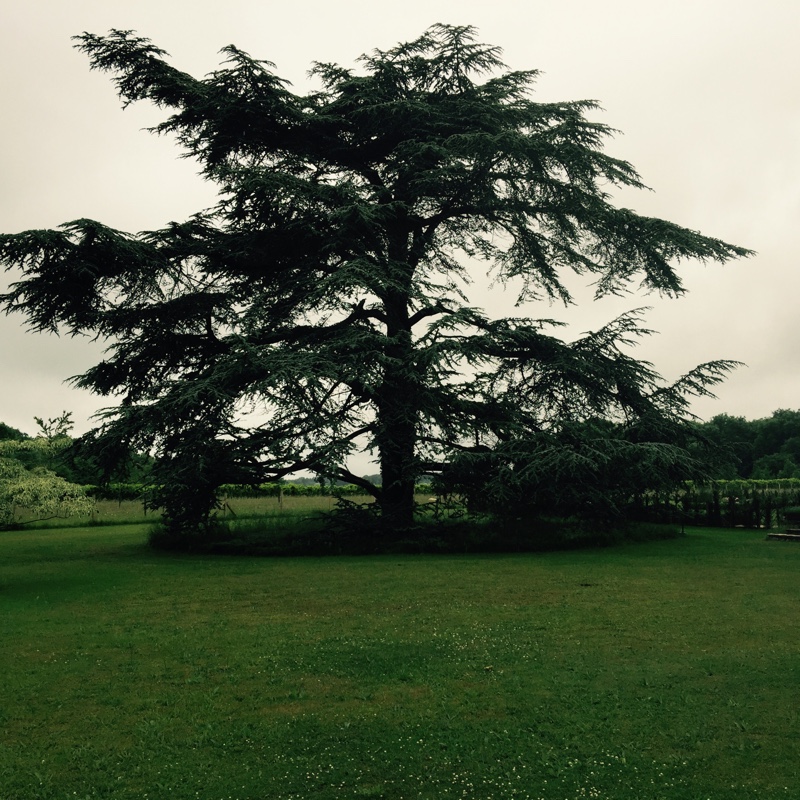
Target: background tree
(7, 432)
(761, 448)
(29, 483)
(319, 308)
(734, 437)
(776, 447)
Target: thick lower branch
(362, 483)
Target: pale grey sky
(706, 94)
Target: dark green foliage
(135, 491)
(116, 491)
(791, 516)
(588, 469)
(358, 529)
(324, 292)
(762, 449)
(776, 448)
(81, 462)
(7, 432)
(720, 503)
(734, 437)
(173, 535)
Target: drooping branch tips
(323, 294)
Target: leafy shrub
(197, 539)
(791, 515)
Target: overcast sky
(706, 94)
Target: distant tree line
(760, 449)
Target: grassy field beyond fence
(661, 670)
(122, 512)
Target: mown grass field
(661, 670)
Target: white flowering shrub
(36, 489)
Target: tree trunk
(397, 420)
(398, 474)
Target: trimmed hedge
(115, 491)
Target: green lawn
(660, 670)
